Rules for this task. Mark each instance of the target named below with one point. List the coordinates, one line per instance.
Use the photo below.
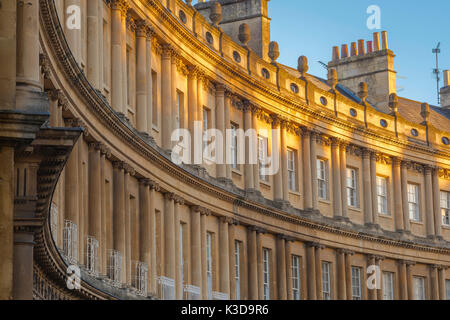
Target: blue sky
(312, 28)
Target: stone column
(141, 77)
(429, 210)
(256, 182)
(154, 187)
(403, 282)
(23, 263)
(204, 213)
(224, 258)
(372, 292)
(314, 190)
(367, 187)
(228, 97)
(145, 232)
(149, 42)
(192, 104)
(104, 152)
(380, 291)
(221, 171)
(128, 221)
(196, 247)
(119, 214)
(8, 65)
(281, 267)
(53, 96)
(166, 97)
(373, 182)
(343, 169)
(319, 296)
(436, 204)
(259, 253)
(348, 275)
(123, 50)
(398, 206)
(169, 236)
(283, 167)
(278, 177)
(311, 270)
(95, 200)
(93, 44)
(441, 279)
(336, 168)
(248, 168)
(176, 123)
(404, 185)
(116, 55)
(409, 280)
(434, 280)
(290, 295)
(178, 284)
(73, 35)
(252, 264)
(341, 275)
(307, 174)
(71, 194)
(232, 260)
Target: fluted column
(248, 168)
(220, 125)
(116, 55)
(378, 260)
(166, 97)
(196, 248)
(436, 204)
(278, 177)
(128, 221)
(252, 264)
(123, 51)
(318, 265)
(232, 259)
(105, 232)
(192, 104)
(398, 206)
(145, 232)
(224, 258)
(314, 190)
(176, 123)
(409, 279)
(311, 270)
(307, 177)
(336, 168)
(288, 257)
(404, 199)
(403, 282)
(341, 277)
(154, 187)
(367, 187)
(434, 280)
(283, 167)
(343, 172)
(204, 213)
(281, 267)
(429, 210)
(119, 214)
(228, 97)
(373, 182)
(95, 214)
(93, 43)
(442, 284)
(71, 189)
(149, 45)
(178, 283)
(348, 274)
(169, 236)
(372, 292)
(141, 77)
(256, 182)
(259, 255)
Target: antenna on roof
(323, 64)
(436, 71)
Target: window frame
(445, 209)
(266, 273)
(352, 189)
(322, 181)
(357, 286)
(292, 172)
(382, 197)
(416, 294)
(263, 154)
(296, 280)
(388, 276)
(326, 280)
(416, 204)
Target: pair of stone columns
(314, 270)
(309, 147)
(369, 172)
(339, 169)
(255, 268)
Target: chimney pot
(384, 40)
(361, 48)
(344, 51)
(369, 47)
(353, 49)
(376, 41)
(335, 53)
(446, 78)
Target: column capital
(257, 229)
(129, 169)
(179, 200)
(94, 146)
(141, 28)
(313, 244)
(193, 71)
(427, 169)
(202, 210)
(285, 237)
(376, 257)
(220, 89)
(167, 51)
(105, 151)
(246, 106)
(118, 165)
(226, 220)
(169, 196)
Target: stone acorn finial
(303, 65)
(393, 102)
(274, 51)
(363, 92)
(244, 34)
(332, 78)
(216, 13)
(425, 113)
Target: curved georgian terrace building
(90, 94)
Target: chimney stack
(353, 49)
(384, 40)
(369, 47)
(445, 91)
(344, 53)
(361, 47)
(376, 41)
(335, 53)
